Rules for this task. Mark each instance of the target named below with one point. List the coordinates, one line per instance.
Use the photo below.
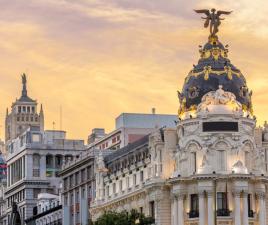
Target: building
(3, 186)
(78, 189)
(33, 163)
(48, 211)
(129, 127)
(23, 114)
(211, 169)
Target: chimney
(153, 110)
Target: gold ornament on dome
(207, 70)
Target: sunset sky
(99, 58)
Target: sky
(98, 58)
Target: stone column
(175, 211)
(245, 208)
(210, 208)
(262, 208)
(201, 208)
(237, 208)
(180, 212)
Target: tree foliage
(124, 218)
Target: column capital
(180, 196)
(210, 194)
(201, 194)
(260, 195)
(237, 193)
(244, 194)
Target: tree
(124, 218)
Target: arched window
(221, 160)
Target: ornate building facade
(211, 169)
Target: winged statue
(213, 19)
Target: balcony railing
(251, 213)
(193, 214)
(223, 212)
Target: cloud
(98, 59)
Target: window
(194, 207)
(33, 109)
(36, 192)
(71, 181)
(36, 165)
(77, 197)
(221, 160)
(141, 176)
(120, 185)
(114, 188)
(222, 207)
(19, 109)
(152, 209)
(76, 178)
(250, 211)
(127, 182)
(83, 193)
(83, 174)
(135, 179)
(65, 183)
(193, 161)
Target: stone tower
(23, 114)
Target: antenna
(60, 117)
(53, 127)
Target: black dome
(213, 69)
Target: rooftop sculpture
(213, 19)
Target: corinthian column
(237, 208)
(210, 208)
(262, 208)
(245, 208)
(201, 208)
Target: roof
(127, 149)
(25, 99)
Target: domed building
(211, 169)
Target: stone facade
(34, 165)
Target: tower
(220, 170)
(23, 114)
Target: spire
(41, 110)
(24, 85)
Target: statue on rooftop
(213, 19)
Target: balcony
(193, 214)
(251, 213)
(223, 212)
